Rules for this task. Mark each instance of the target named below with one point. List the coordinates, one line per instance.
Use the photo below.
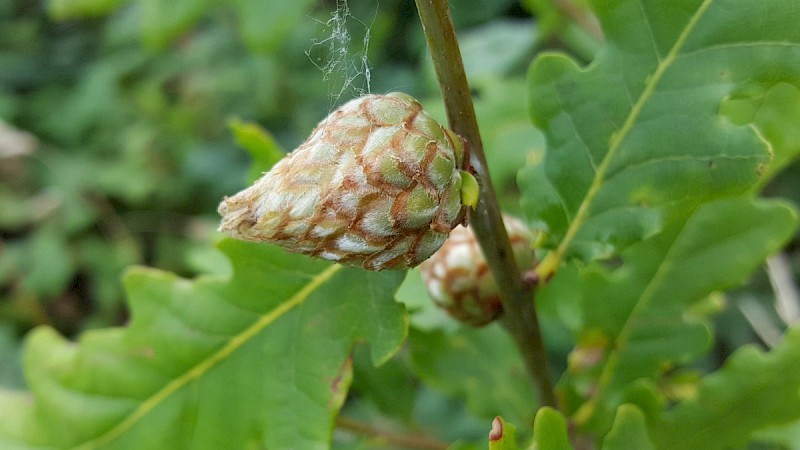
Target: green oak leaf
(637, 320)
(636, 138)
(258, 360)
(751, 391)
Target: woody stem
(519, 318)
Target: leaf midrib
(553, 259)
(206, 364)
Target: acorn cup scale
(378, 184)
(458, 278)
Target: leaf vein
(650, 33)
(680, 158)
(575, 130)
(735, 45)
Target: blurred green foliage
(124, 122)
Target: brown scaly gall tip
(238, 217)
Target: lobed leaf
(751, 391)
(258, 360)
(637, 320)
(636, 138)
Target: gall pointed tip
(236, 215)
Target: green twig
(519, 316)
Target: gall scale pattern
(376, 185)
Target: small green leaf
(629, 431)
(259, 143)
(469, 189)
(751, 391)
(550, 430)
(503, 435)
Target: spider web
(344, 65)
